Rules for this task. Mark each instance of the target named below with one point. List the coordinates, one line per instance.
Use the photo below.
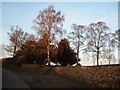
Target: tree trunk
(48, 47)
(48, 51)
(109, 62)
(93, 63)
(77, 55)
(14, 52)
(78, 49)
(98, 56)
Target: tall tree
(49, 22)
(109, 49)
(77, 37)
(114, 43)
(97, 38)
(16, 37)
(119, 46)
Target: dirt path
(51, 81)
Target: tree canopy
(49, 23)
(94, 39)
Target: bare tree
(77, 37)
(17, 39)
(49, 22)
(114, 43)
(97, 38)
(118, 33)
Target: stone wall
(96, 76)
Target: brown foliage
(48, 23)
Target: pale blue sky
(23, 13)
(59, 0)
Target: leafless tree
(97, 37)
(17, 38)
(49, 22)
(77, 37)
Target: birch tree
(97, 38)
(49, 22)
(17, 38)
(77, 37)
(113, 45)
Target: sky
(23, 14)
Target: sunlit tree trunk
(48, 47)
(48, 52)
(15, 47)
